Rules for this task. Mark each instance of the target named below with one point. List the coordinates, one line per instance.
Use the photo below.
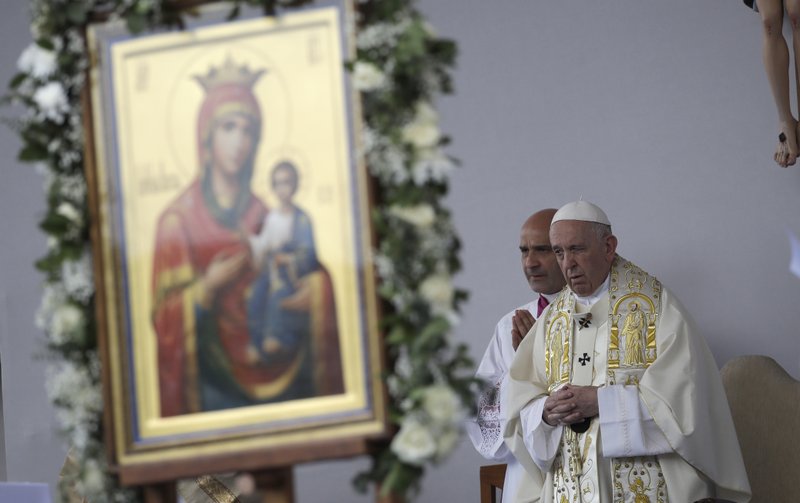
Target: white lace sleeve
(485, 430)
(489, 441)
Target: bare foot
(786, 151)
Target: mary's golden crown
(229, 73)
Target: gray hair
(601, 231)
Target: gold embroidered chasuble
(580, 343)
(637, 336)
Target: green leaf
(48, 264)
(54, 224)
(32, 153)
(392, 479)
(17, 80)
(432, 330)
(76, 12)
(411, 44)
(397, 335)
(136, 22)
(45, 43)
(361, 482)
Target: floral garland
(400, 66)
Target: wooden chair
(765, 404)
(492, 477)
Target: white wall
(658, 111)
(33, 450)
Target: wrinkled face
(232, 143)
(538, 260)
(584, 258)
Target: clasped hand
(570, 404)
(521, 323)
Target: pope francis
(614, 395)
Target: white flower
(77, 277)
(69, 212)
(425, 113)
(420, 215)
(67, 320)
(37, 61)
(54, 145)
(431, 164)
(53, 298)
(438, 290)
(78, 397)
(402, 366)
(383, 265)
(423, 130)
(442, 404)
(381, 35)
(393, 384)
(370, 139)
(391, 163)
(446, 441)
(385, 160)
(92, 481)
(420, 134)
(73, 187)
(52, 100)
(367, 77)
(414, 443)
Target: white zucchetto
(581, 210)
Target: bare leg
(776, 64)
(793, 9)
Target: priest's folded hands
(570, 404)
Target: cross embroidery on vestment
(584, 359)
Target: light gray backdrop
(658, 111)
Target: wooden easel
(276, 485)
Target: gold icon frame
(141, 153)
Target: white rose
(443, 405)
(37, 61)
(414, 443)
(69, 212)
(367, 77)
(445, 442)
(421, 134)
(421, 215)
(438, 290)
(66, 320)
(425, 113)
(93, 481)
(52, 100)
(423, 130)
(432, 164)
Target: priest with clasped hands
(614, 396)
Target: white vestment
(486, 429)
(666, 429)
